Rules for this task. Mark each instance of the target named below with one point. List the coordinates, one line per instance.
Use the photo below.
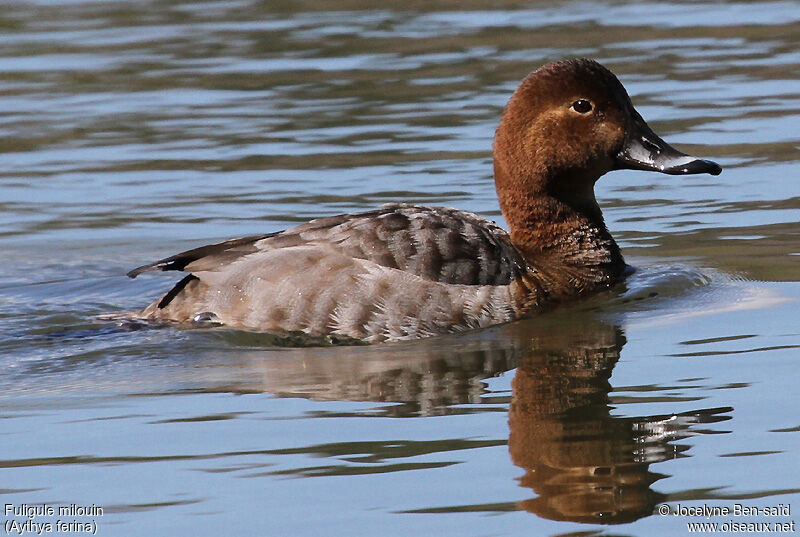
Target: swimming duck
(405, 271)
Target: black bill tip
(693, 167)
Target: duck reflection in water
(583, 463)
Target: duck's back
(398, 272)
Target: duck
(404, 271)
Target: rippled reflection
(582, 463)
(425, 378)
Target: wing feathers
(435, 243)
(229, 249)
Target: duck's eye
(582, 106)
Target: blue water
(134, 130)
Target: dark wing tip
(179, 261)
(144, 268)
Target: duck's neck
(560, 231)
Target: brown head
(566, 125)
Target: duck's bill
(645, 150)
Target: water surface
(133, 130)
